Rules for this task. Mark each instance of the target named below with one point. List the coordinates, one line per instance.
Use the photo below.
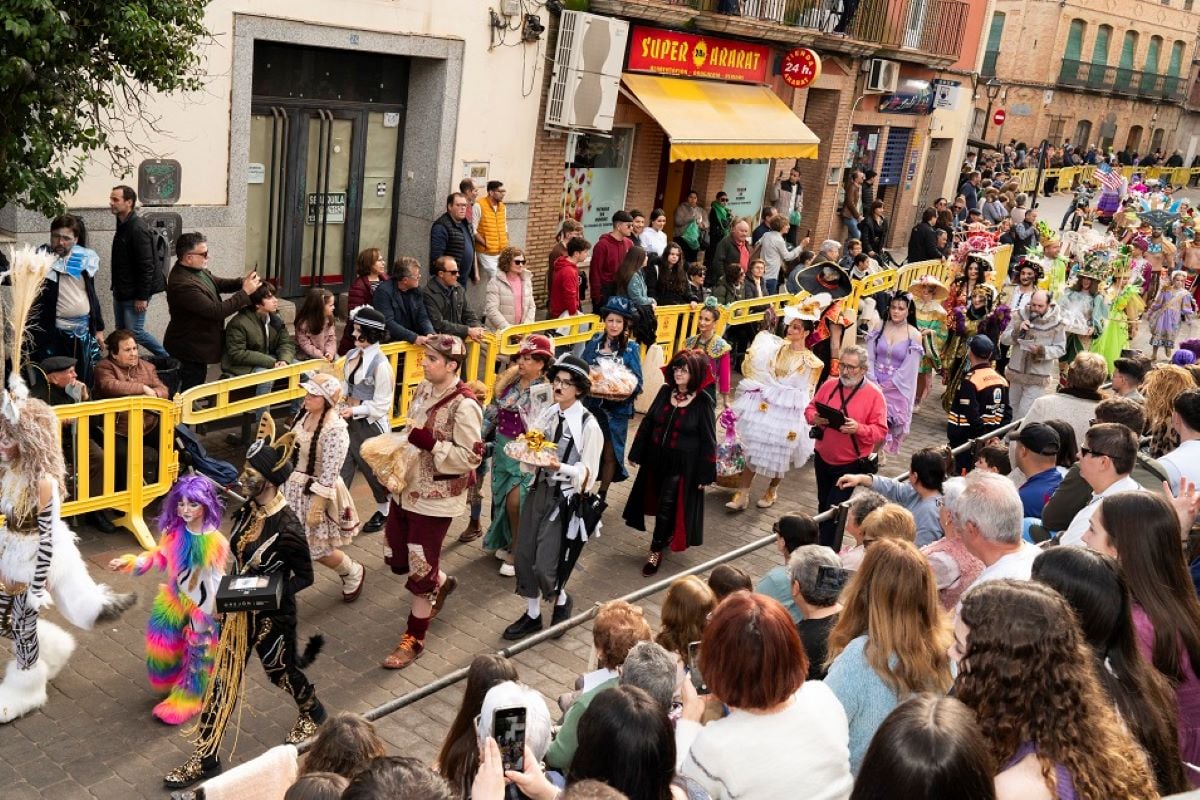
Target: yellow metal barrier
(78, 420)
(220, 399)
(577, 329)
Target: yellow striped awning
(709, 120)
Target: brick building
(894, 94)
(1092, 72)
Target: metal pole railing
(556, 631)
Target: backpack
(160, 246)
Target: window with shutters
(995, 31)
(1125, 67)
(1150, 70)
(892, 169)
(1073, 53)
(1172, 85)
(1099, 57)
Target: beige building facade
(1090, 72)
(325, 128)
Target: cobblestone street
(96, 736)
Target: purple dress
(894, 369)
(1187, 693)
(1064, 785)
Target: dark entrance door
(323, 167)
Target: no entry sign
(998, 117)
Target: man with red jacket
(564, 278)
(839, 450)
(607, 256)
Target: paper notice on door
(256, 173)
(335, 208)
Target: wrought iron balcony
(932, 27)
(1119, 80)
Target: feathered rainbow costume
(182, 633)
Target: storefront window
(864, 141)
(746, 185)
(595, 180)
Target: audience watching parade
(1014, 615)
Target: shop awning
(707, 120)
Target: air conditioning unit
(882, 75)
(587, 71)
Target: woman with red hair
(753, 662)
(676, 447)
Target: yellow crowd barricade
(81, 420)
(229, 398)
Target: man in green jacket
(256, 339)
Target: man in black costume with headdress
(267, 539)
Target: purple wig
(197, 489)
(1192, 346)
(1182, 358)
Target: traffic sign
(998, 117)
(801, 66)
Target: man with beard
(268, 541)
(842, 450)
(1016, 296)
(1037, 338)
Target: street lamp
(992, 87)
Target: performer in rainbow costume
(182, 631)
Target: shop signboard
(916, 102)
(801, 66)
(689, 55)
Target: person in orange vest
(491, 233)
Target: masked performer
(552, 527)
(368, 386)
(39, 557)
(182, 632)
(676, 446)
(267, 540)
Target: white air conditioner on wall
(587, 71)
(882, 75)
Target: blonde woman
(510, 294)
(890, 641)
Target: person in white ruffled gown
(779, 377)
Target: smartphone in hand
(508, 729)
(694, 668)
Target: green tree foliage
(74, 79)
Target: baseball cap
(1040, 438)
(981, 346)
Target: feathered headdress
(27, 274)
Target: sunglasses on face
(1086, 451)
(518, 261)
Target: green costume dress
(1125, 310)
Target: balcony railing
(1119, 80)
(931, 26)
